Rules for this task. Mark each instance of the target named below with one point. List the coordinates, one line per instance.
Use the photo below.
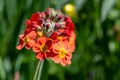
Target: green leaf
(11, 7)
(106, 8)
(2, 70)
(79, 4)
(18, 62)
(58, 3)
(1, 8)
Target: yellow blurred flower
(70, 9)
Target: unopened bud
(57, 26)
(60, 17)
(39, 28)
(32, 24)
(48, 12)
(39, 33)
(47, 25)
(43, 15)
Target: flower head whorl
(50, 34)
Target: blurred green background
(97, 54)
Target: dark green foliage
(97, 54)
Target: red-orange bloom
(50, 34)
(26, 40)
(69, 24)
(42, 48)
(62, 53)
(72, 41)
(29, 27)
(55, 37)
(36, 18)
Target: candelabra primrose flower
(50, 34)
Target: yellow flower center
(43, 48)
(62, 52)
(25, 39)
(60, 38)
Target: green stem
(38, 70)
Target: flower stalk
(38, 71)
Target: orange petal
(42, 40)
(20, 46)
(31, 42)
(40, 56)
(21, 36)
(32, 35)
(56, 59)
(36, 48)
(27, 46)
(63, 62)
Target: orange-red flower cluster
(50, 34)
